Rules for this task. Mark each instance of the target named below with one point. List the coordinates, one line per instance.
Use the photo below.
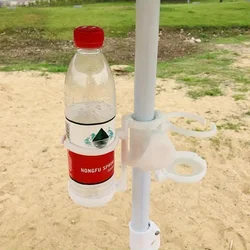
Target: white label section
(91, 136)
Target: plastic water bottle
(90, 109)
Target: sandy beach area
(36, 212)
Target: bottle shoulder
(89, 68)
(89, 78)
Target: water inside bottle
(90, 112)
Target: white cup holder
(196, 163)
(187, 132)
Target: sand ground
(36, 212)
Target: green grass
(241, 77)
(207, 74)
(129, 69)
(207, 63)
(211, 15)
(248, 113)
(243, 89)
(59, 22)
(197, 81)
(230, 126)
(195, 94)
(44, 67)
(232, 40)
(239, 97)
(119, 18)
(216, 141)
(197, 69)
(216, 1)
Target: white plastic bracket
(148, 240)
(160, 155)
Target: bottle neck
(88, 51)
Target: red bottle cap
(88, 37)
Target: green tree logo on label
(101, 139)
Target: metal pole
(147, 31)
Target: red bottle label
(91, 170)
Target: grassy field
(118, 19)
(207, 74)
(204, 74)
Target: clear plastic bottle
(90, 109)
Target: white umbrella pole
(147, 30)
